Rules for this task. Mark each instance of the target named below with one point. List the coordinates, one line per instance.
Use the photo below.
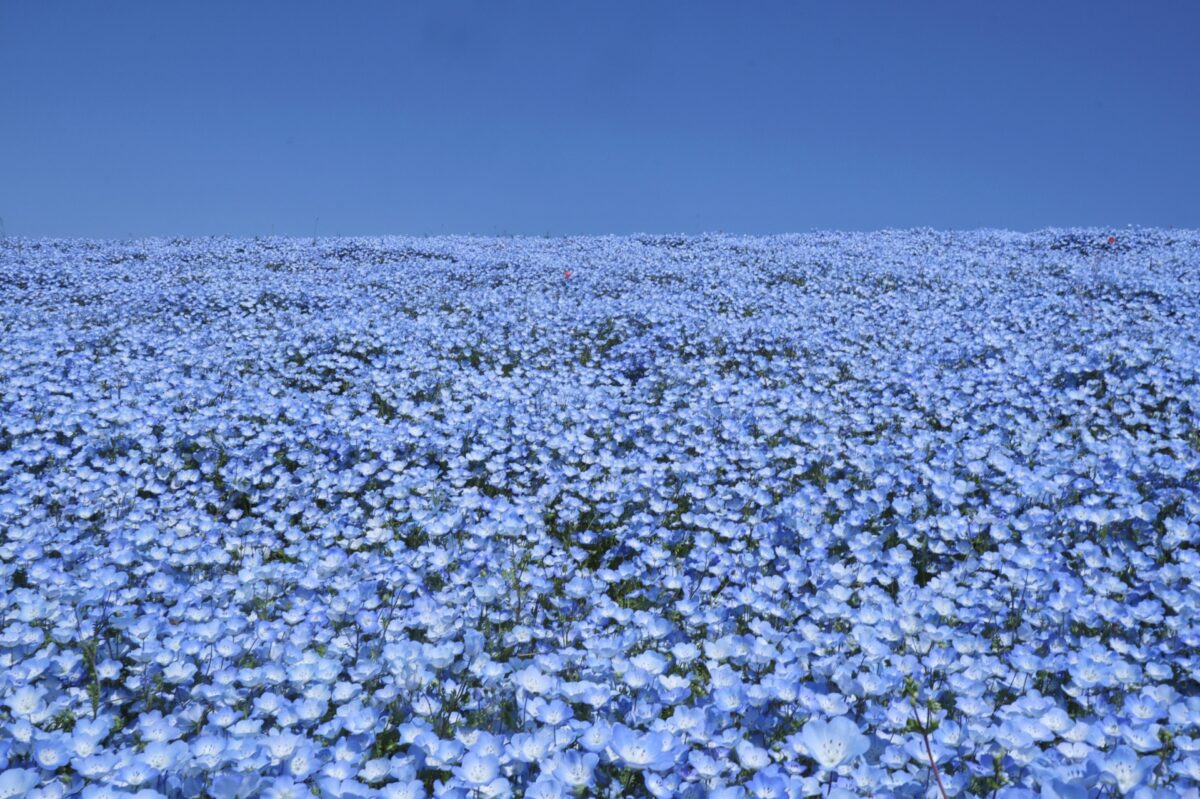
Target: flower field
(895, 514)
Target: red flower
(567, 275)
(1112, 239)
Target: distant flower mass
(906, 514)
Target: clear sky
(239, 117)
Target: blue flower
(767, 784)
(478, 769)
(547, 788)
(596, 737)
(832, 743)
(286, 788)
(752, 757)
(404, 789)
(575, 769)
(1125, 769)
(16, 782)
(50, 754)
(727, 792)
(651, 750)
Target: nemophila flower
(302, 762)
(705, 766)
(547, 788)
(730, 699)
(208, 751)
(596, 737)
(223, 717)
(82, 744)
(552, 713)
(661, 785)
(1074, 750)
(478, 770)
(337, 770)
(439, 753)
(636, 678)
(531, 747)
(1086, 773)
(768, 784)
(1145, 707)
(751, 757)
(1188, 767)
(285, 788)
(162, 756)
(1143, 739)
(94, 766)
(727, 792)
(50, 754)
(108, 669)
(357, 719)
(651, 750)
(832, 743)
(533, 681)
(405, 789)
(334, 788)
(154, 726)
(685, 652)
(674, 688)
(27, 702)
(179, 672)
(375, 771)
(1125, 769)
(16, 782)
(135, 774)
(575, 769)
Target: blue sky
(244, 118)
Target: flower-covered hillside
(900, 514)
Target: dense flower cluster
(901, 514)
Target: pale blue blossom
(832, 743)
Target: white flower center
(637, 754)
(831, 753)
